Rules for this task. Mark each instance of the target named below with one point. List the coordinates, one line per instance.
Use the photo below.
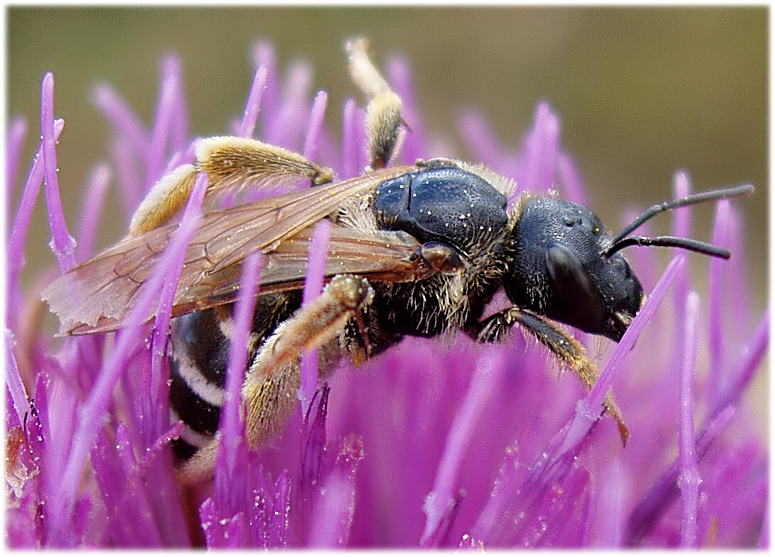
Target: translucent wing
(97, 295)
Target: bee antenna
(623, 239)
(668, 241)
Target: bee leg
(270, 390)
(559, 342)
(232, 164)
(383, 113)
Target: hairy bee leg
(165, 199)
(383, 113)
(231, 164)
(269, 393)
(563, 345)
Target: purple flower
(432, 444)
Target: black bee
(415, 250)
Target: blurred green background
(641, 92)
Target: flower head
(434, 443)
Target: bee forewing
(103, 289)
(385, 256)
(97, 295)
(231, 235)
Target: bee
(415, 250)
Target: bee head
(563, 264)
(557, 268)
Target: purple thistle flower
(432, 444)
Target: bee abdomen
(197, 377)
(199, 356)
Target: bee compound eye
(574, 288)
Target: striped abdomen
(200, 350)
